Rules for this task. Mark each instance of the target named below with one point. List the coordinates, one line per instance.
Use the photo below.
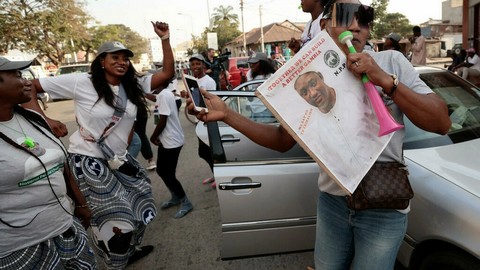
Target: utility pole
(261, 29)
(209, 18)
(243, 29)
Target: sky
(187, 16)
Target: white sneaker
(152, 164)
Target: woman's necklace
(28, 143)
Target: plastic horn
(385, 119)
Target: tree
(118, 32)
(224, 14)
(225, 25)
(386, 23)
(49, 28)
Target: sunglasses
(342, 15)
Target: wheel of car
(449, 260)
(457, 51)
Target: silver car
(268, 199)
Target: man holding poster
(345, 238)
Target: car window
(73, 69)
(251, 107)
(242, 63)
(463, 104)
(252, 86)
(27, 74)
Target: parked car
(268, 199)
(237, 67)
(75, 68)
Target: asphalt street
(192, 242)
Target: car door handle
(231, 186)
(229, 139)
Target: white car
(268, 199)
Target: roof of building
(275, 32)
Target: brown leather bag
(386, 186)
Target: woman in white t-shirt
(40, 204)
(119, 215)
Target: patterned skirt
(69, 250)
(121, 202)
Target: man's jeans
(356, 240)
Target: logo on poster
(331, 58)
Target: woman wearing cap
(392, 42)
(41, 208)
(116, 226)
(345, 238)
(260, 68)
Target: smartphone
(191, 84)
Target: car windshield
(73, 69)
(463, 102)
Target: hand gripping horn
(385, 119)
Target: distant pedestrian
(419, 50)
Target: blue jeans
(135, 145)
(356, 240)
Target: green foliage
(46, 27)
(54, 28)
(119, 32)
(386, 23)
(222, 13)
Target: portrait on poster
(326, 109)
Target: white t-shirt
(172, 87)
(312, 28)
(475, 60)
(93, 117)
(172, 135)
(25, 192)
(207, 83)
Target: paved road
(192, 242)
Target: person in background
(197, 64)
(42, 209)
(392, 42)
(346, 239)
(213, 67)
(419, 50)
(469, 69)
(168, 136)
(260, 68)
(312, 28)
(118, 221)
(457, 59)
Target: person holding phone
(197, 65)
(345, 238)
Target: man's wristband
(165, 37)
(81, 206)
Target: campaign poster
(326, 109)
